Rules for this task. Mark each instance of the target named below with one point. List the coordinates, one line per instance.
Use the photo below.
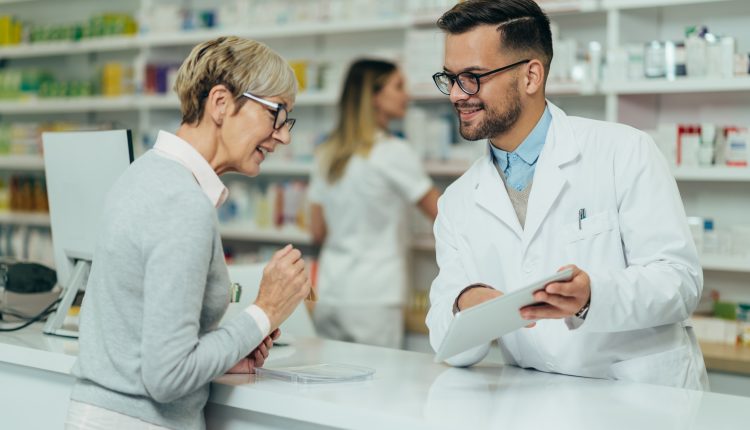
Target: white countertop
(409, 391)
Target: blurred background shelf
(21, 162)
(239, 231)
(31, 219)
(712, 174)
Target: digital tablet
(492, 319)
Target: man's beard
(495, 123)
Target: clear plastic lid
(317, 373)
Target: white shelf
(569, 6)
(317, 98)
(160, 101)
(21, 162)
(682, 85)
(571, 88)
(725, 263)
(128, 103)
(68, 47)
(34, 219)
(281, 31)
(446, 168)
(712, 174)
(285, 167)
(238, 231)
(643, 4)
(69, 104)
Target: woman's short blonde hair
(241, 65)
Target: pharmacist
(559, 191)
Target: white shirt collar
(174, 148)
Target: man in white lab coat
(557, 191)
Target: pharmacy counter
(408, 391)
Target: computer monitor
(80, 168)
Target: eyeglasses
(280, 115)
(467, 81)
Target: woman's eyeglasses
(280, 117)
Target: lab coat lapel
(549, 182)
(490, 194)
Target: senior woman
(150, 342)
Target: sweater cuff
(260, 317)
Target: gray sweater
(150, 343)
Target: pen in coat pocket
(581, 216)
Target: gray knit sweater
(150, 343)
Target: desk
(408, 391)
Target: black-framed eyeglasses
(467, 81)
(280, 114)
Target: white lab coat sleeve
(451, 279)
(398, 162)
(663, 280)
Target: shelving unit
(726, 358)
(725, 263)
(21, 163)
(682, 85)
(643, 4)
(712, 174)
(614, 23)
(61, 48)
(252, 233)
(170, 101)
(31, 219)
(69, 105)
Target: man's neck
(512, 139)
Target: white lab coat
(634, 243)
(363, 260)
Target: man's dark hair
(522, 25)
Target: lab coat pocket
(589, 227)
(669, 368)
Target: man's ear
(534, 78)
(218, 103)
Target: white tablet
(492, 319)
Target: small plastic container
(317, 373)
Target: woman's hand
(285, 283)
(257, 357)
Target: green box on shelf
(725, 310)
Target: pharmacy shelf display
(30, 219)
(609, 98)
(249, 232)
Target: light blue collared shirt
(518, 166)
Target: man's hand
(257, 357)
(561, 299)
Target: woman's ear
(218, 103)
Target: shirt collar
(174, 148)
(531, 147)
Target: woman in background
(362, 185)
(150, 339)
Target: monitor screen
(80, 168)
